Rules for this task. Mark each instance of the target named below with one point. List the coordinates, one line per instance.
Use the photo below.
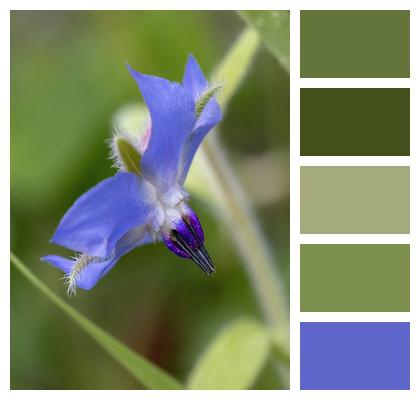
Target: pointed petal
(88, 277)
(100, 217)
(172, 112)
(210, 116)
(62, 263)
(194, 79)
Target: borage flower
(145, 201)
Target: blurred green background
(68, 79)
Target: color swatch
(359, 194)
(355, 277)
(355, 43)
(355, 199)
(355, 122)
(355, 355)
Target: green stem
(242, 223)
(247, 235)
(258, 261)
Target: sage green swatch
(355, 44)
(355, 199)
(355, 278)
(355, 122)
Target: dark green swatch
(355, 122)
(355, 199)
(355, 277)
(355, 44)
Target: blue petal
(101, 216)
(94, 271)
(172, 112)
(63, 263)
(210, 116)
(194, 79)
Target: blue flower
(145, 201)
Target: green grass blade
(148, 374)
(273, 27)
(234, 359)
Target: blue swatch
(355, 355)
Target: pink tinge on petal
(144, 141)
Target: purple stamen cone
(186, 241)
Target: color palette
(355, 122)
(355, 355)
(355, 44)
(354, 277)
(355, 199)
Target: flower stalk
(247, 235)
(245, 230)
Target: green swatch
(355, 278)
(355, 122)
(355, 44)
(355, 200)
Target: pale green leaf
(280, 343)
(233, 359)
(274, 29)
(146, 373)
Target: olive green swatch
(355, 44)
(355, 122)
(355, 199)
(355, 277)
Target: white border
(296, 83)
(309, 238)
(354, 317)
(354, 82)
(354, 161)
